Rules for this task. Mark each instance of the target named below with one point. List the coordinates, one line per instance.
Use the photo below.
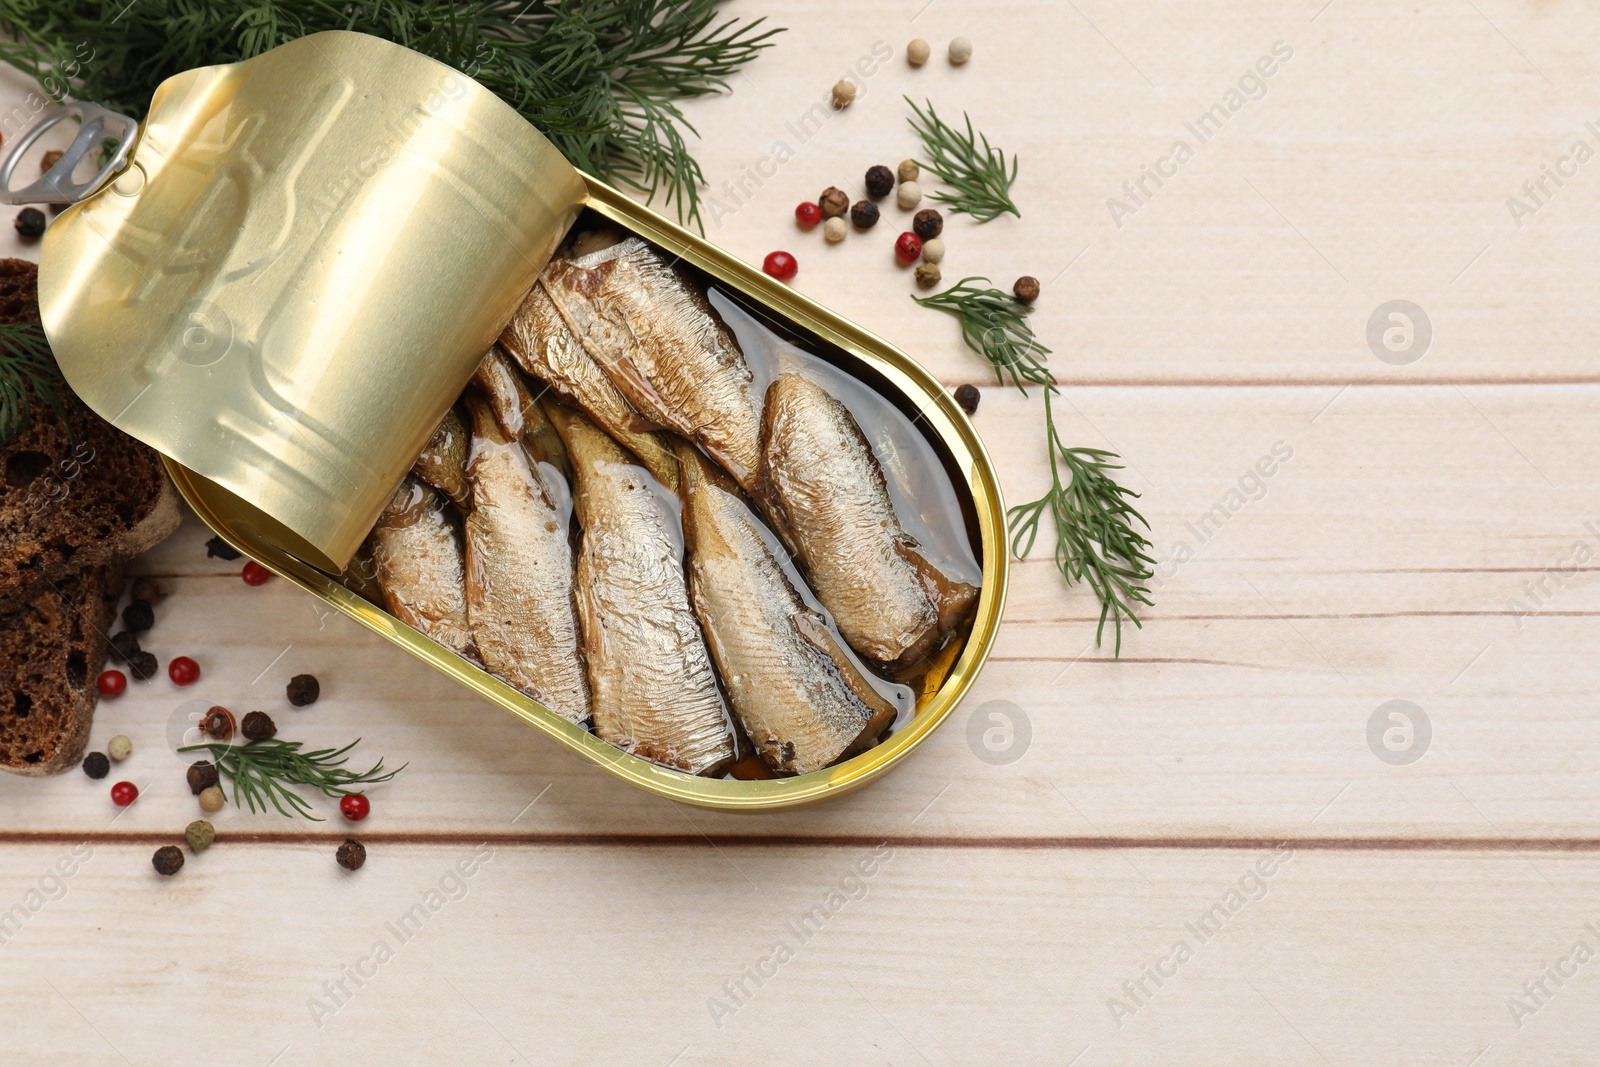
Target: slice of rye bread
(51, 653)
(73, 494)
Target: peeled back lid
(308, 257)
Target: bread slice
(51, 654)
(74, 493)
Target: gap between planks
(714, 841)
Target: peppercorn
(96, 766)
(927, 224)
(908, 196)
(211, 799)
(781, 265)
(351, 855)
(217, 548)
(864, 214)
(183, 671)
(834, 230)
(168, 860)
(807, 215)
(111, 683)
(119, 748)
(967, 396)
(124, 793)
(844, 93)
(148, 590)
(143, 666)
(917, 52)
(907, 247)
(254, 573)
(355, 806)
(258, 726)
(908, 170)
(928, 275)
(200, 834)
(124, 646)
(833, 202)
(933, 251)
(218, 723)
(51, 158)
(138, 616)
(960, 51)
(880, 180)
(304, 689)
(202, 775)
(29, 222)
(1026, 289)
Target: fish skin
(889, 601)
(443, 463)
(519, 573)
(654, 690)
(802, 702)
(661, 343)
(419, 565)
(538, 339)
(508, 398)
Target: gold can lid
(300, 269)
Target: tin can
(288, 274)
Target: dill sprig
(28, 373)
(263, 771)
(1096, 541)
(600, 78)
(977, 174)
(995, 325)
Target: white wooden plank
(943, 957)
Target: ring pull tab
(57, 186)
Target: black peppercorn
(96, 766)
(217, 548)
(880, 180)
(304, 689)
(258, 726)
(351, 855)
(1026, 289)
(138, 616)
(29, 222)
(168, 860)
(202, 775)
(967, 396)
(864, 214)
(833, 201)
(124, 646)
(143, 665)
(927, 224)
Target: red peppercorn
(183, 670)
(781, 265)
(255, 574)
(907, 247)
(355, 806)
(124, 793)
(112, 683)
(807, 215)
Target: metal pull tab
(57, 186)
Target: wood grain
(1432, 536)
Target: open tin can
(284, 278)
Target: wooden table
(1203, 852)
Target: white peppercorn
(933, 251)
(960, 51)
(119, 748)
(908, 195)
(844, 93)
(917, 52)
(834, 230)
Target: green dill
(1097, 541)
(995, 325)
(28, 374)
(261, 772)
(600, 78)
(977, 173)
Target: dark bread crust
(74, 494)
(51, 654)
